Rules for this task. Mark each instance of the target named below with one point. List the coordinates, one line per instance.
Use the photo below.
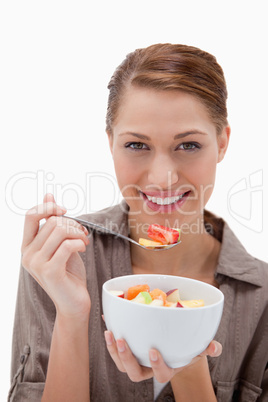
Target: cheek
(202, 175)
(127, 174)
(207, 182)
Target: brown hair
(171, 67)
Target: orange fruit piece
(158, 294)
(133, 291)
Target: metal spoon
(106, 230)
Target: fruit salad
(160, 235)
(144, 295)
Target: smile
(166, 200)
(163, 203)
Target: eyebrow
(176, 137)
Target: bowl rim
(216, 290)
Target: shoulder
(234, 260)
(238, 263)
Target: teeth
(164, 201)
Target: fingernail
(108, 338)
(120, 345)
(215, 348)
(153, 355)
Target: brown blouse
(239, 374)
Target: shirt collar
(235, 262)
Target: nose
(163, 172)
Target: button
(26, 349)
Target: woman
(167, 129)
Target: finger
(57, 237)
(59, 229)
(134, 370)
(66, 249)
(49, 198)
(112, 349)
(214, 349)
(72, 222)
(33, 218)
(161, 371)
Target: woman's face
(165, 150)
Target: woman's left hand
(127, 363)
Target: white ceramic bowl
(178, 333)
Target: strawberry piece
(163, 235)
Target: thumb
(214, 349)
(49, 198)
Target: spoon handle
(100, 227)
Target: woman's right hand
(51, 256)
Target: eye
(189, 146)
(136, 146)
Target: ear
(223, 141)
(110, 139)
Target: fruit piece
(118, 293)
(170, 304)
(149, 243)
(157, 303)
(158, 294)
(133, 291)
(163, 235)
(156, 297)
(143, 298)
(173, 295)
(192, 303)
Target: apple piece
(149, 243)
(143, 298)
(173, 296)
(192, 303)
(179, 304)
(118, 293)
(147, 297)
(157, 303)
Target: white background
(56, 60)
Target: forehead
(169, 109)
